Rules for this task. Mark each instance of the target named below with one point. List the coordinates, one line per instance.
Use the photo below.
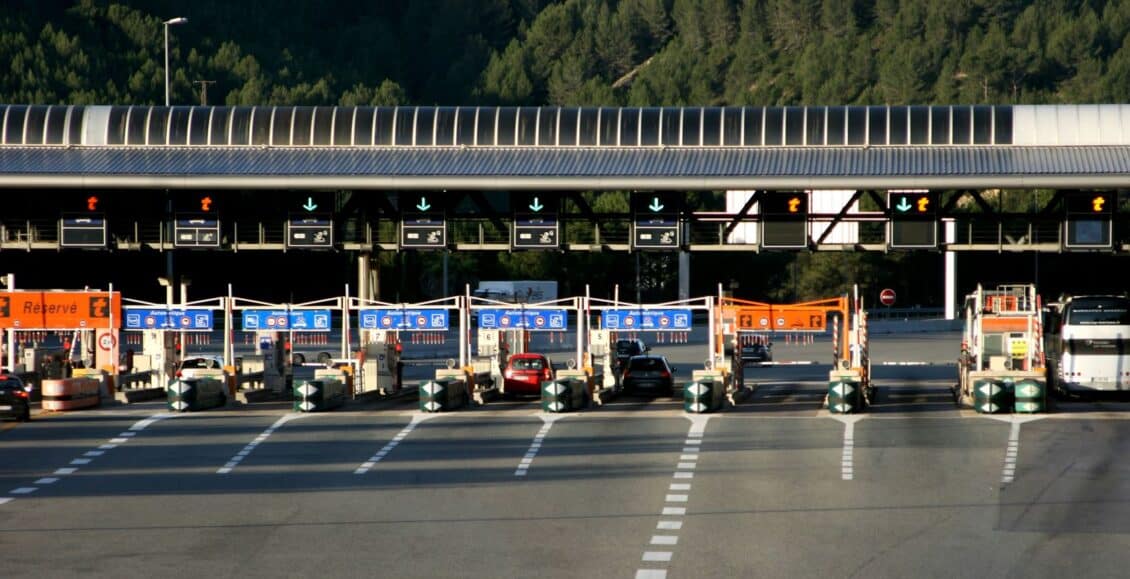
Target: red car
(524, 374)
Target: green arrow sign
(309, 206)
(655, 206)
(423, 204)
(903, 206)
(536, 206)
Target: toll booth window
(814, 125)
(692, 127)
(198, 125)
(794, 126)
(837, 126)
(586, 134)
(74, 127)
(507, 126)
(178, 125)
(115, 133)
(136, 117)
(425, 126)
(404, 126)
(240, 125)
(261, 126)
(982, 125)
(220, 117)
(445, 127)
(323, 126)
(547, 126)
(363, 119)
(56, 125)
(485, 130)
(774, 126)
(630, 128)
(527, 126)
(33, 131)
(1002, 125)
(671, 122)
(962, 125)
(857, 125)
(920, 125)
(897, 131)
(343, 125)
(711, 127)
(567, 127)
(877, 125)
(940, 125)
(14, 125)
(158, 126)
(609, 127)
(281, 118)
(465, 126)
(382, 126)
(649, 127)
(732, 127)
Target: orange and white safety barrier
(71, 393)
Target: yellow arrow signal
(923, 203)
(1097, 203)
(794, 204)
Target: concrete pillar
(684, 275)
(951, 273)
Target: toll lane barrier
(71, 393)
(570, 391)
(845, 392)
(192, 394)
(996, 392)
(447, 392)
(706, 391)
(1030, 395)
(324, 392)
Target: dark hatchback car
(625, 349)
(649, 375)
(757, 353)
(15, 398)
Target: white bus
(1088, 344)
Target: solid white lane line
(142, 424)
(669, 525)
(242, 454)
(535, 446)
(383, 452)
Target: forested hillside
(580, 52)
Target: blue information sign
(646, 320)
(532, 319)
(292, 320)
(168, 319)
(403, 319)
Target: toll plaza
(504, 329)
(667, 322)
(749, 327)
(1001, 367)
(388, 329)
(77, 372)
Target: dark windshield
(627, 348)
(647, 364)
(1098, 311)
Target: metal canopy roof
(573, 168)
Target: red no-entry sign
(887, 297)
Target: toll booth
(503, 329)
(53, 332)
(158, 337)
(1001, 365)
(395, 338)
(278, 335)
(653, 324)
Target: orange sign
(782, 319)
(64, 310)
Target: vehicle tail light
(179, 373)
(665, 374)
(546, 374)
(508, 373)
(20, 394)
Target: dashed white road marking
(535, 446)
(417, 418)
(665, 540)
(1012, 454)
(663, 556)
(65, 471)
(669, 525)
(5, 500)
(47, 480)
(239, 456)
(651, 574)
(81, 461)
(23, 490)
(847, 463)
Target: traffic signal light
(913, 219)
(1089, 221)
(784, 219)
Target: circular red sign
(887, 297)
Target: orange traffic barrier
(71, 393)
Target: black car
(15, 398)
(757, 353)
(625, 349)
(649, 374)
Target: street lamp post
(167, 23)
